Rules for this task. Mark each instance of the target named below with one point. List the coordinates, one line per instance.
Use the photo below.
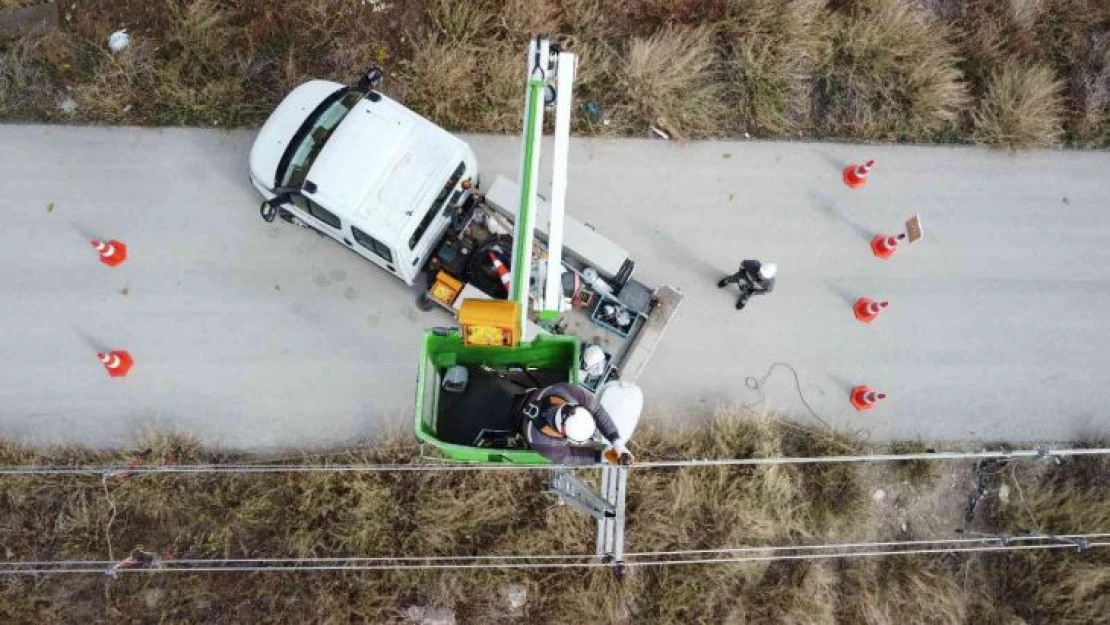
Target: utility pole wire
(986, 538)
(864, 554)
(999, 538)
(112, 470)
(349, 564)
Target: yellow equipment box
(445, 289)
(490, 322)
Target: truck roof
(402, 159)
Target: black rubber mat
(486, 404)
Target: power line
(998, 538)
(1079, 542)
(17, 470)
(359, 564)
(864, 554)
(987, 538)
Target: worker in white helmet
(559, 422)
(753, 278)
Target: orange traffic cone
(502, 271)
(867, 310)
(884, 246)
(118, 363)
(863, 398)
(855, 175)
(111, 253)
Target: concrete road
(261, 335)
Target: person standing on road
(753, 278)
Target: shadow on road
(85, 233)
(835, 163)
(828, 207)
(672, 249)
(847, 297)
(91, 342)
(842, 383)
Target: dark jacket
(557, 449)
(749, 269)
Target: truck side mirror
(371, 79)
(268, 209)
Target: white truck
(356, 166)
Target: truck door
(379, 253)
(319, 217)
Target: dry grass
(918, 473)
(667, 82)
(771, 52)
(935, 70)
(442, 83)
(1069, 37)
(1073, 497)
(890, 73)
(205, 516)
(1021, 109)
(902, 589)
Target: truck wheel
(424, 303)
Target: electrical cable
(818, 546)
(110, 470)
(450, 562)
(756, 384)
(1000, 538)
(863, 554)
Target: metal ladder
(608, 507)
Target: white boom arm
(566, 67)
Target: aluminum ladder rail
(607, 507)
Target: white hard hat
(767, 270)
(576, 423)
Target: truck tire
(423, 302)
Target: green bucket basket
(446, 425)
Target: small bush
(901, 589)
(771, 51)
(918, 473)
(461, 22)
(667, 81)
(462, 87)
(890, 73)
(1020, 109)
(29, 68)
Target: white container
(624, 401)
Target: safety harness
(542, 412)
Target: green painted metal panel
(525, 218)
(439, 352)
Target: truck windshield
(312, 135)
(437, 204)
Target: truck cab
(358, 167)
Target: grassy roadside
(199, 516)
(1010, 74)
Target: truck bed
(628, 346)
